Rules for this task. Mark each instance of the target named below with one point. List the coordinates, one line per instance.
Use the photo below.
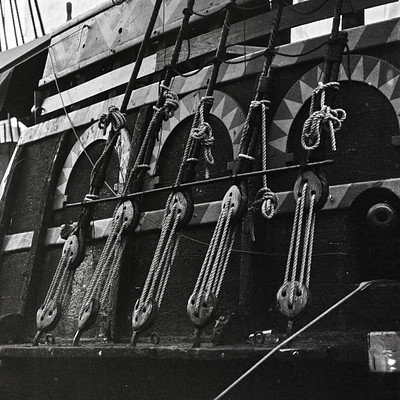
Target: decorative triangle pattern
(375, 72)
(92, 134)
(225, 108)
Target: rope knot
(311, 134)
(267, 202)
(260, 103)
(171, 103)
(114, 117)
(203, 133)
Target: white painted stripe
(17, 241)
(97, 85)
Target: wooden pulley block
(47, 317)
(89, 314)
(144, 316)
(233, 197)
(127, 216)
(207, 308)
(301, 297)
(71, 250)
(182, 203)
(316, 184)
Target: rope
(216, 260)
(311, 134)
(362, 286)
(61, 284)
(266, 200)
(200, 132)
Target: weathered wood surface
(96, 86)
(112, 31)
(254, 28)
(359, 38)
(259, 26)
(181, 379)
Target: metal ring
(49, 339)
(155, 338)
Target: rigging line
(255, 8)
(19, 21)
(71, 123)
(290, 7)
(240, 251)
(3, 20)
(33, 19)
(232, 177)
(14, 24)
(192, 73)
(362, 286)
(209, 15)
(132, 84)
(39, 17)
(255, 56)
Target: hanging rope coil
(201, 131)
(171, 103)
(311, 134)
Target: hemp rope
(108, 267)
(61, 284)
(311, 134)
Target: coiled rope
(311, 134)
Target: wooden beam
(260, 26)
(340, 197)
(132, 36)
(97, 85)
(360, 38)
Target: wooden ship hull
(350, 353)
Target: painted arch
(91, 135)
(225, 108)
(373, 71)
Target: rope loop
(259, 103)
(171, 103)
(203, 133)
(267, 200)
(114, 117)
(311, 134)
(143, 166)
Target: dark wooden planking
(26, 288)
(10, 323)
(260, 25)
